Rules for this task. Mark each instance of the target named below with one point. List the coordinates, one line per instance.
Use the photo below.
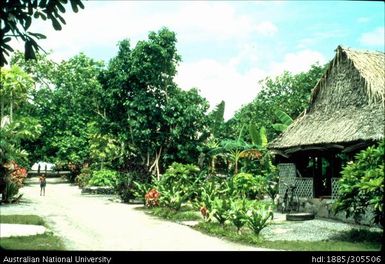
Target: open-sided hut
(345, 115)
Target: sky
(226, 46)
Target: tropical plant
(220, 209)
(285, 119)
(103, 149)
(84, 177)
(244, 184)
(17, 174)
(11, 190)
(361, 187)
(237, 213)
(104, 178)
(173, 197)
(257, 217)
(140, 189)
(271, 186)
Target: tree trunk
(236, 166)
(155, 165)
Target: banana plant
(285, 119)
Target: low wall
(98, 190)
(33, 173)
(324, 208)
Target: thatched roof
(347, 103)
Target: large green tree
(67, 99)
(288, 92)
(144, 107)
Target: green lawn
(247, 237)
(22, 219)
(46, 241)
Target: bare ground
(88, 222)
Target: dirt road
(97, 223)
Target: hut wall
(288, 176)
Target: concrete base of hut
(324, 208)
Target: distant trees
(288, 93)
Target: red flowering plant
(204, 211)
(152, 198)
(17, 173)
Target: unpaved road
(97, 223)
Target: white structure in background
(50, 166)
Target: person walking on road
(43, 183)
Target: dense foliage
(288, 93)
(361, 188)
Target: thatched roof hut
(346, 108)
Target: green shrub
(11, 190)
(362, 185)
(104, 178)
(182, 175)
(247, 185)
(220, 210)
(178, 184)
(139, 190)
(207, 191)
(257, 217)
(133, 185)
(84, 177)
(173, 198)
(237, 213)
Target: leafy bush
(237, 213)
(104, 178)
(362, 185)
(84, 177)
(11, 190)
(257, 217)
(140, 189)
(220, 210)
(208, 190)
(133, 184)
(246, 185)
(182, 175)
(178, 184)
(173, 198)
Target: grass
(184, 214)
(247, 237)
(46, 241)
(353, 240)
(22, 219)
